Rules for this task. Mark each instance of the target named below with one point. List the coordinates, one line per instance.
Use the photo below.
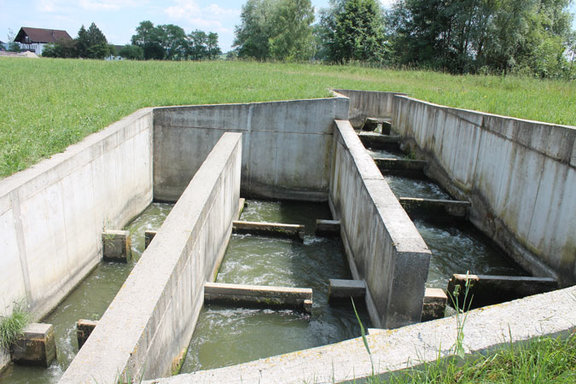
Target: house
(34, 39)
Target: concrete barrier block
(435, 207)
(327, 227)
(116, 246)
(379, 141)
(269, 229)
(401, 166)
(36, 346)
(340, 290)
(83, 330)
(435, 300)
(488, 289)
(148, 236)
(259, 296)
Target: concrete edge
(486, 329)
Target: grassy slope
(48, 104)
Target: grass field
(49, 104)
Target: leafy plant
(461, 313)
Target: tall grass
(48, 104)
(13, 325)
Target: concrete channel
(205, 157)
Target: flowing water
(229, 335)
(88, 301)
(386, 154)
(410, 187)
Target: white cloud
(108, 5)
(387, 3)
(213, 16)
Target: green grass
(543, 360)
(49, 104)
(12, 326)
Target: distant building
(34, 39)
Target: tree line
(459, 36)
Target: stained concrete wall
(287, 145)
(365, 104)
(519, 175)
(52, 214)
(151, 319)
(383, 245)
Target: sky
(118, 19)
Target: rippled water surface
(88, 301)
(228, 335)
(408, 187)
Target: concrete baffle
(434, 305)
(148, 236)
(36, 346)
(116, 246)
(342, 290)
(83, 330)
(327, 227)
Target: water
(386, 154)
(228, 335)
(88, 301)
(420, 188)
(462, 248)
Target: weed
(13, 325)
(461, 313)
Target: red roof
(28, 35)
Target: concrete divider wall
(152, 318)
(383, 245)
(52, 214)
(365, 104)
(519, 175)
(287, 145)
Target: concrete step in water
(259, 296)
(295, 231)
(378, 124)
(489, 289)
(401, 166)
(418, 207)
(379, 141)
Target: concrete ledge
(268, 229)
(258, 295)
(327, 227)
(340, 290)
(378, 141)
(435, 207)
(489, 289)
(486, 329)
(401, 166)
(36, 346)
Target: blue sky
(119, 18)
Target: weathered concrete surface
(152, 317)
(258, 295)
(36, 346)
(116, 246)
(148, 237)
(401, 166)
(269, 229)
(327, 227)
(287, 146)
(435, 301)
(52, 214)
(520, 177)
(486, 329)
(365, 104)
(434, 207)
(488, 289)
(84, 329)
(383, 246)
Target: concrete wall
(287, 146)
(519, 175)
(151, 319)
(383, 245)
(52, 214)
(365, 104)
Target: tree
(353, 30)
(147, 37)
(276, 29)
(131, 52)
